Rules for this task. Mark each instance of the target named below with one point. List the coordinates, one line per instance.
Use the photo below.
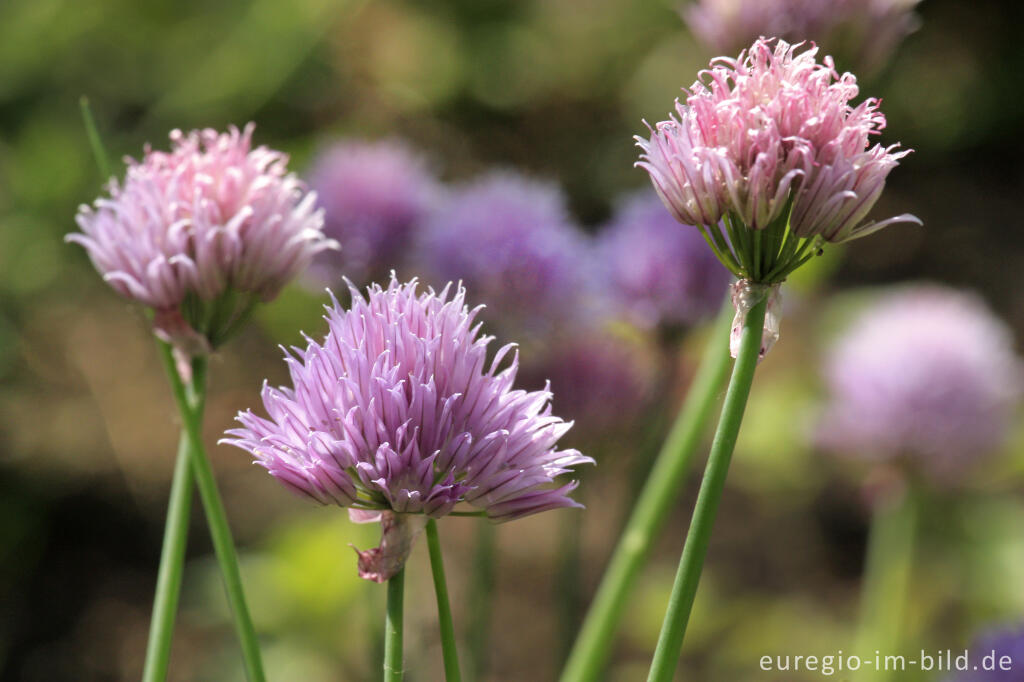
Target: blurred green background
(556, 88)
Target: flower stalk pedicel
(397, 414)
(199, 235)
(769, 160)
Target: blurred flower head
(990, 649)
(927, 377)
(660, 272)
(374, 194)
(399, 413)
(770, 143)
(864, 33)
(202, 232)
(510, 240)
(602, 380)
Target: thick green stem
(670, 641)
(444, 609)
(190, 406)
(393, 671)
(593, 646)
(886, 579)
(481, 600)
(172, 561)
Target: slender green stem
(100, 154)
(172, 561)
(568, 586)
(670, 641)
(190, 405)
(444, 609)
(481, 601)
(393, 671)
(887, 578)
(593, 646)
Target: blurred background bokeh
(553, 90)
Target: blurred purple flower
(927, 376)
(660, 272)
(398, 411)
(602, 380)
(864, 32)
(989, 650)
(202, 232)
(374, 194)
(768, 127)
(510, 240)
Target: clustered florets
(770, 142)
(201, 232)
(399, 411)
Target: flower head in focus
(769, 147)
(864, 33)
(202, 232)
(399, 413)
(927, 378)
(510, 240)
(374, 195)
(662, 274)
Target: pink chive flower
(770, 148)
(926, 377)
(864, 33)
(202, 232)
(374, 196)
(398, 415)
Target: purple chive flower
(601, 380)
(374, 194)
(769, 146)
(926, 377)
(398, 412)
(864, 32)
(201, 232)
(511, 241)
(660, 272)
(770, 127)
(996, 656)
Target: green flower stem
(444, 609)
(670, 641)
(593, 646)
(95, 142)
(481, 600)
(172, 560)
(393, 671)
(568, 586)
(220, 533)
(887, 578)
